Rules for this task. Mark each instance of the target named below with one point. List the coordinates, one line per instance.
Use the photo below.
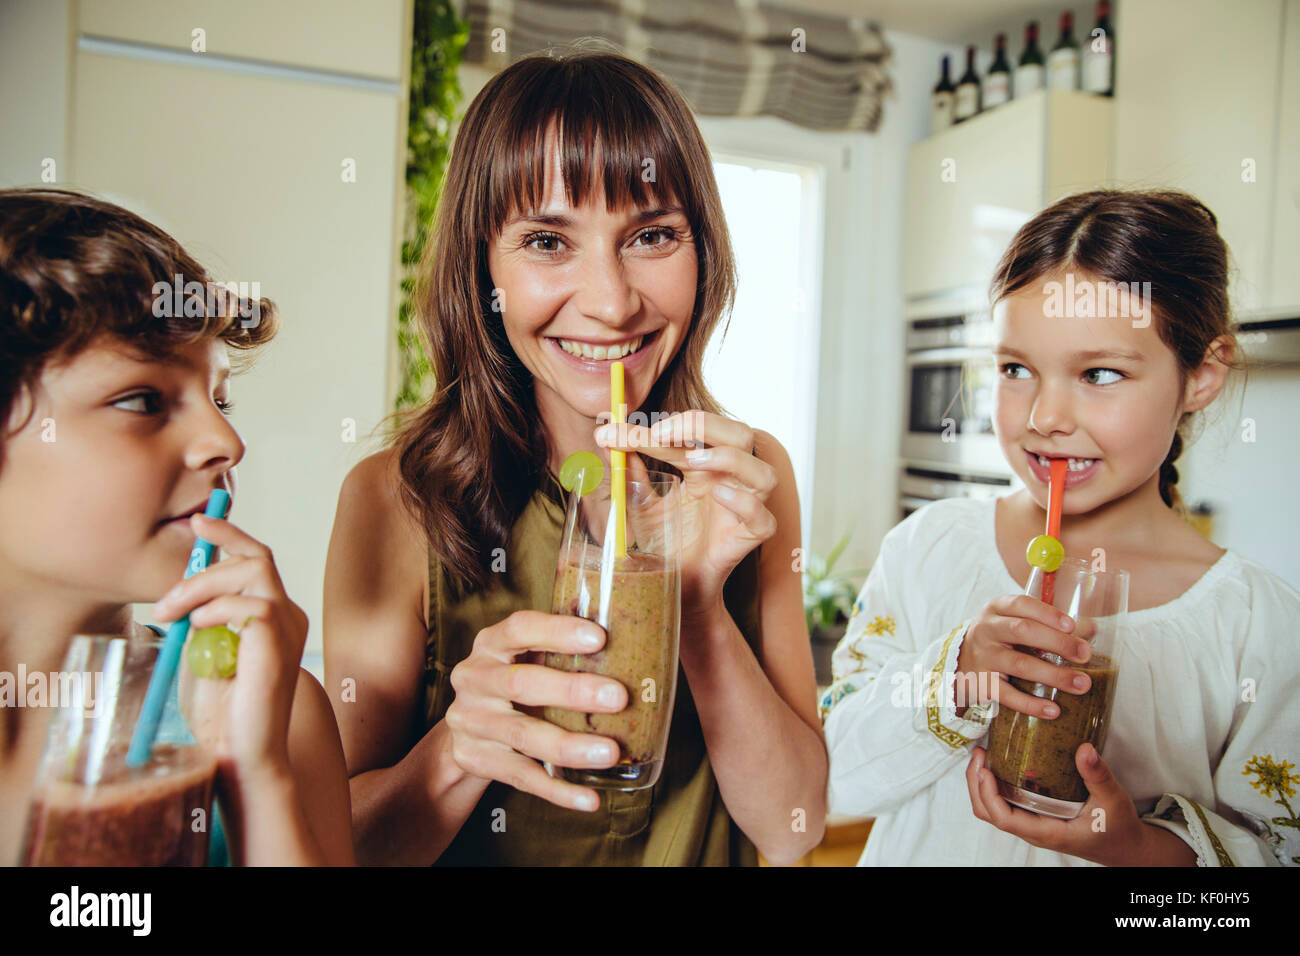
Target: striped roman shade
(728, 57)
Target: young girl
(1205, 732)
(117, 432)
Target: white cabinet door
(253, 174)
(1196, 108)
(1284, 287)
(968, 190)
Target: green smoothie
(1036, 756)
(640, 652)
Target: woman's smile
(588, 356)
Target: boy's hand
(245, 718)
(1107, 830)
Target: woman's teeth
(601, 353)
(1076, 464)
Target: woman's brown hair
(1165, 237)
(74, 268)
(473, 455)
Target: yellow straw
(618, 462)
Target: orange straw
(618, 462)
(1055, 495)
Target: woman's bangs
(628, 160)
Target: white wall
(35, 64)
(240, 156)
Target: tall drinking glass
(636, 598)
(1033, 758)
(88, 807)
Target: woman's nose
(605, 292)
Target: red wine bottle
(1099, 55)
(997, 82)
(941, 101)
(1029, 73)
(1063, 61)
(967, 103)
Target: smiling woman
(580, 223)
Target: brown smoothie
(1037, 755)
(641, 642)
(131, 817)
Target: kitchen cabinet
(971, 187)
(1200, 91)
(1284, 276)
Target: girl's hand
(494, 739)
(990, 650)
(1107, 830)
(244, 718)
(725, 489)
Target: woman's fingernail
(588, 638)
(607, 696)
(585, 801)
(1081, 683)
(1066, 624)
(698, 455)
(599, 754)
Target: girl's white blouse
(1204, 736)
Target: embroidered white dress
(1204, 735)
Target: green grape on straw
(213, 652)
(582, 466)
(1045, 552)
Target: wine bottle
(1063, 61)
(967, 102)
(1099, 56)
(941, 101)
(1029, 73)
(997, 82)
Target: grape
(213, 652)
(585, 466)
(1045, 552)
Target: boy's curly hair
(74, 268)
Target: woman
(579, 210)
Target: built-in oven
(948, 445)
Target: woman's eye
(543, 237)
(226, 407)
(1014, 370)
(664, 231)
(1102, 376)
(145, 403)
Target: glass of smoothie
(636, 597)
(1033, 758)
(88, 807)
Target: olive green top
(680, 821)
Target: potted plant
(828, 601)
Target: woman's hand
(989, 650)
(1107, 830)
(245, 718)
(494, 739)
(721, 470)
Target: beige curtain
(728, 57)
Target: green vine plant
(437, 44)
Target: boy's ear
(1206, 381)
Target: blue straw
(164, 671)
